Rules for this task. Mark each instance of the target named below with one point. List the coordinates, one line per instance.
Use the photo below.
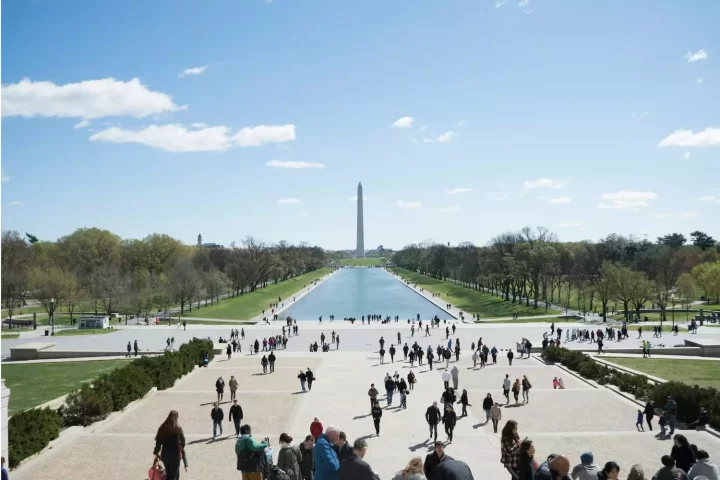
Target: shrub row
(30, 431)
(689, 398)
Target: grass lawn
(705, 373)
(252, 304)
(469, 300)
(363, 262)
(210, 322)
(36, 383)
(526, 320)
(9, 336)
(89, 331)
(23, 311)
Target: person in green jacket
(251, 466)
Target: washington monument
(360, 251)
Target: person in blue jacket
(324, 456)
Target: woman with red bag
(169, 447)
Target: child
(556, 384)
(663, 423)
(639, 423)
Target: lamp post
(52, 316)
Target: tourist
(526, 386)
(526, 464)
(373, 394)
(510, 448)
(556, 467)
(600, 346)
(135, 347)
(310, 376)
(220, 388)
(316, 428)
(289, 457)
(507, 383)
(337, 342)
(446, 356)
(411, 380)
(129, 348)
(412, 471)
(271, 361)
(636, 473)
(586, 470)
(403, 394)
(449, 419)
(432, 417)
(257, 346)
(609, 472)
(455, 373)
(170, 446)
(250, 466)
(464, 402)
(494, 353)
(382, 356)
(434, 459)
(510, 356)
(669, 472)
(452, 469)
(303, 378)
(487, 405)
(389, 389)
(392, 354)
(307, 464)
(430, 357)
(405, 351)
(682, 453)
(236, 416)
(639, 422)
(649, 412)
(670, 413)
(217, 416)
(325, 458)
(342, 449)
(446, 379)
(561, 383)
(704, 467)
(354, 467)
(229, 351)
(264, 363)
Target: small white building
(99, 322)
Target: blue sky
(462, 119)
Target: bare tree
(16, 256)
(108, 287)
(51, 287)
(184, 282)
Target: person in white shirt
(507, 383)
(704, 467)
(446, 379)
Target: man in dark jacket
(389, 388)
(307, 466)
(354, 467)
(434, 459)
(343, 449)
(236, 416)
(271, 359)
(217, 415)
(556, 467)
(452, 469)
(432, 417)
(392, 353)
(405, 350)
(376, 416)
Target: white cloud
(461, 123)
(177, 138)
(5, 178)
(677, 215)
(81, 124)
(424, 127)
(694, 57)
(16, 202)
(455, 191)
(639, 116)
(293, 164)
(303, 214)
(568, 224)
(404, 204)
(710, 137)
(88, 99)
(500, 3)
(289, 201)
(199, 125)
(452, 209)
(686, 155)
(193, 71)
(560, 200)
(545, 183)
(404, 122)
(708, 198)
(627, 200)
(523, 3)
(354, 198)
(428, 140)
(446, 137)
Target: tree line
(533, 265)
(96, 269)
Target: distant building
(199, 240)
(212, 245)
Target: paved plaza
(571, 421)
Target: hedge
(31, 430)
(689, 398)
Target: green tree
(707, 277)
(16, 256)
(51, 287)
(686, 290)
(184, 282)
(674, 240)
(702, 240)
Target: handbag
(156, 471)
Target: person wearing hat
(587, 470)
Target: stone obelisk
(360, 250)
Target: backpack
(277, 474)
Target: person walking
(229, 351)
(449, 419)
(670, 413)
(307, 465)
(220, 388)
(526, 464)
(217, 416)
(264, 363)
(510, 356)
(271, 361)
(250, 455)
(516, 390)
(373, 394)
(316, 428)
(170, 446)
(510, 448)
(392, 353)
(411, 380)
(376, 416)
(432, 417)
(455, 373)
(406, 349)
(526, 386)
(487, 405)
(464, 402)
(495, 416)
(303, 378)
(446, 379)
(382, 356)
(447, 355)
(310, 376)
(389, 389)
(494, 353)
(430, 357)
(233, 384)
(507, 384)
(236, 416)
(289, 457)
(129, 348)
(135, 347)
(649, 412)
(434, 459)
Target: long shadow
(300, 392)
(206, 404)
(210, 440)
(425, 444)
(358, 417)
(258, 374)
(476, 426)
